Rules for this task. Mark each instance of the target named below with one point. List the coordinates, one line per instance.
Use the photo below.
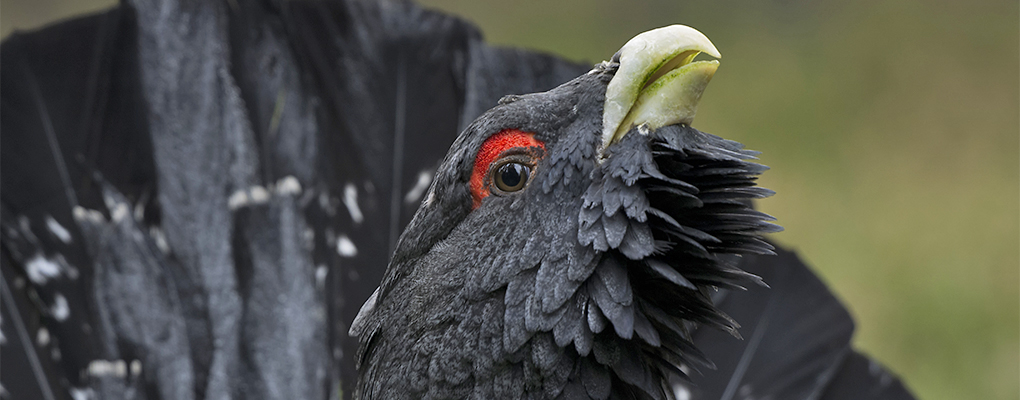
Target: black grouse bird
(198, 196)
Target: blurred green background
(893, 133)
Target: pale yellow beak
(657, 83)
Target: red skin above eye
(493, 147)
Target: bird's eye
(511, 176)
(505, 163)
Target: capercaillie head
(570, 241)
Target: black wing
(198, 196)
(796, 342)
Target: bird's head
(569, 240)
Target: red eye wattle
(495, 146)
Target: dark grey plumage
(589, 282)
(247, 145)
(596, 268)
(177, 217)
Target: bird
(197, 197)
(570, 245)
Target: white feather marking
(258, 194)
(424, 179)
(160, 239)
(40, 269)
(289, 185)
(351, 201)
(119, 212)
(42, 337)
(83, 214)
(345, 247)
(237, 200)
(82, 393)
(58, 230)
(60, 311)
(103, 368)
(320, 275)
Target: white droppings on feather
(58, 230)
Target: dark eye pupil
(511, 177)
(511, 174)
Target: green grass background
(893, 133)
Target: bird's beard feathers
(584, 285)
